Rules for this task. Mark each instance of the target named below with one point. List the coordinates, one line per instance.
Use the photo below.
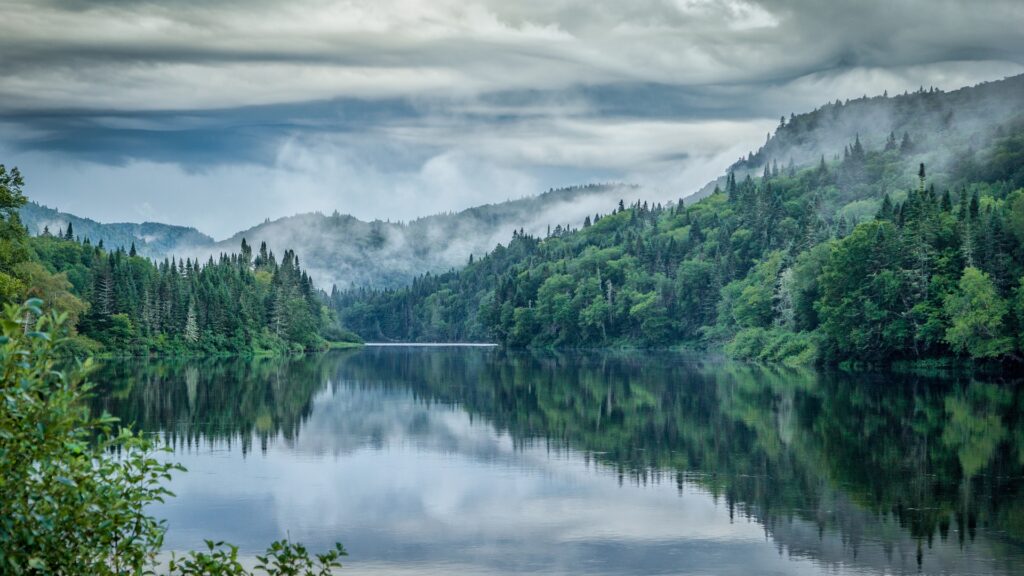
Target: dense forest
(862, 258)
(120, 302)
(339, 249)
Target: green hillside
(150, 238)
(342, 250)
(871, 256)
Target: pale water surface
(483, 461)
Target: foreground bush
(74, 488)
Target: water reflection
(496, 462)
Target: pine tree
(191, 324)
(906, 146)
(886, 210)
(890, 143)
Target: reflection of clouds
(413, 501)
(418, 487)
(352, 417)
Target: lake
(485, 461)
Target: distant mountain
(150, 238)
(935, 123)
(345, 251)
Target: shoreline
(429, 345)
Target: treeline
(239, 303)
(859, 259)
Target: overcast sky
(220, 113)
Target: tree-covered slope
(342, 250)
(244, 303)
(241, 303)
(150, 238)
(940, 126)
(864, 257)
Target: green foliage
(764, 345)
(53, 289)
(242, 303)
(976, 315)
(237, 304)
(750, 301)
(12, 233)
(863, 287)
(282, 558)
(69, 505)
(74, 488)
(782, 266)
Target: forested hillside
(150, 238)
(866, 257)
(339, 249)
(123, 303)
(945, 125)
(345, 251)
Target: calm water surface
(482, 461)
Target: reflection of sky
(411, 487)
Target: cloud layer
(401, 107)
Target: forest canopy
(248, 302)
(864, 258)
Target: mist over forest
(341, 250)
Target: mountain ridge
(340, 249)
(893, 249)
(968, 116)
(150, 238)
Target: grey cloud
(157, 53)
(322, 105)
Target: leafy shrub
(773, 345)
(74, 488)
(282, 558)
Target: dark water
(476, 461)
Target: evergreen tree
(191, 332)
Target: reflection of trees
(193, 400)
(898, 459)
(919, 455)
